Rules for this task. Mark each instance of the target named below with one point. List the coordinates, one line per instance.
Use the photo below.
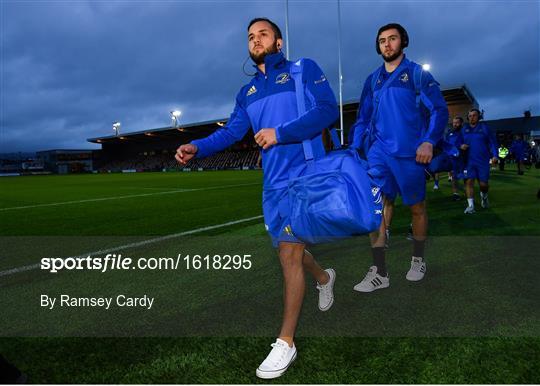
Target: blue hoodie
(269, 101)
(398, 123)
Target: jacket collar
(404, 63)
(272, 61)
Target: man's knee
(418, 209)
(291, 254)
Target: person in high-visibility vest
(503, 153)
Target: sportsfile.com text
(112, 262)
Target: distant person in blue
(480, 146)
(268, 105)
(453, 136)
(520, 150)
(395, 133)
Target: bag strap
(377, 98)
(335, 139)
(417, 72)
(375, 78)
(296, 73)
(376, 75)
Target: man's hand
(464, 146)
(185, 152)
(266, 138)
(424, 153)
(494, 160)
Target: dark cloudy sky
(71, 68)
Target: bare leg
(378, 238)
(419, 221)
(311, 265)
(388, 212)
(484, 187)
(291, 256)
(469, 188)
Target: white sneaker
(326, 291)
(417, 270)
(373, 281)
(484, 202)
(469, 210)
(435, 187)
(278, 361)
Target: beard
(392, 57)
(259, 58)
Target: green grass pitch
(474, 319)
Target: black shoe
(410, 236)
(456, 197)
(10, 374)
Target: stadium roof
(205, 128)
(453, 95)
(64, 150)
(521, 125)
(459, 95)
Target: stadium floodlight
(426, 66)
(116, 127)
(175, 117)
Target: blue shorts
(276, 216)
(395, 175)
(477, 171)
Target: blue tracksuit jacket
(453, 137)
(520, 149)
(398, 123)
(482, 144)
(269, 101)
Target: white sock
(483, 195)
(470, 201)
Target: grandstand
(154, 149)
(228, 159)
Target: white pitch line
(137, 244)
(122, 197)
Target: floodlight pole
(341, 128)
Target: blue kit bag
(331, 197)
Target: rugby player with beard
(267, 104)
